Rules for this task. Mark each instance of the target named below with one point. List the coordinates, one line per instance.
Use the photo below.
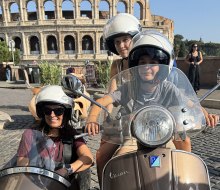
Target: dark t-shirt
(42, 151)
(165, 94)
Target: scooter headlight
(153, 126)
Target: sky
(192, 18)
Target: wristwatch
(69, 169)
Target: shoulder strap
(67, 150)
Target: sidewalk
(16, 84)
(211, 101)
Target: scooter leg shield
(157, 169)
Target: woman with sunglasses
(54, 108)
(194, 59)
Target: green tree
(182, 50)
(6, 55)
(177, 43)
(17, 56)
(103, 72)
(50, 73)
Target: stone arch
(87, 45)
(14, 11)
(138, 10)
(51, 44)
(104, 9)
(1, 15)
(68, 9)
(122, 7)
(102, 45)
(34, 45)
(18, 43)
(31, 10)
(49, 9)
(69, 44)
(2, 37)
(86, 9)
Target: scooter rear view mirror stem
(209, 92)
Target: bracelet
(69, 169)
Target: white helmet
(154, 44)
(119, 25)
(52, 94)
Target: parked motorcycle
(152, 119)
(81, 104)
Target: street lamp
(12, 48)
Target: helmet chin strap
(125, 58)
(147, 81)
(153, 81)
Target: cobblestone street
(15, 101)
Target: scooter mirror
(72, 85)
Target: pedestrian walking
(8, 72)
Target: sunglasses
(56, 111)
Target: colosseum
(68, 30)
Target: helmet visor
(153, 53)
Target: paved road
(14, 102)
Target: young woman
(117, 33)
(194, 59)
(54, 108)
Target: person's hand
(92, 128)
(212, 120)
(62, 171)
(192, 63)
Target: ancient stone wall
(68, 32)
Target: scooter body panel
(189, 170)
(157, 169)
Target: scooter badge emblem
(154, 161)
